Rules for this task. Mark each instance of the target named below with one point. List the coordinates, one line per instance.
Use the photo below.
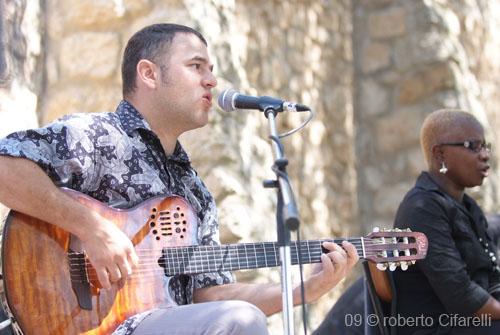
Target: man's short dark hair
(149, 43)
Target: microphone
(229, 100)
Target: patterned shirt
(117, 159)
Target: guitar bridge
(79, 279)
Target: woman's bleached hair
(439, 125)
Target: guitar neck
(201, 259)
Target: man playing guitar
(123, 159)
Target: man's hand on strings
(334, 266)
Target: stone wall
(412, 57)
(370, 69)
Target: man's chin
(199, 124)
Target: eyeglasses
(473, 145)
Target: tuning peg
(413, 262)
(407, 251)
(382, 266)
(376, 229)
(404, 265)
(393, 266)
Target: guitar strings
(144, 272)
(217, 251)
(144, 268)
(213, 250)
(202, 260)
(204, 253)
(180, 264)
(266, 245)
(223, 252)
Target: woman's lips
(484, 171)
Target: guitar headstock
(395, 247)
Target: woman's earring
(443, 168)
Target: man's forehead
(189, 45)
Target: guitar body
(38, 269)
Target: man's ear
(147, 73)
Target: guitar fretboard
(201, 259)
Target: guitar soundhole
(168, 223)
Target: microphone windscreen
(225, 100)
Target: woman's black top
(460, 271)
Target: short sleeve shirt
(117, 159)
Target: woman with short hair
(456, 287)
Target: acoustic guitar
(52, 289)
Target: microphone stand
(287, 219)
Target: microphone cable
(290, 132)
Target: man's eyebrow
(200, 58)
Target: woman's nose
(485, 154)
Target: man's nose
(210, 80)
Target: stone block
(137, 7)
(374, 98)
(55, 26)
(376, 56)
(387, 23)
(375, 3)
(80, 99)
(425, 82)
(90, 55)
(426, 48)
(399, 131)
(93, 14)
